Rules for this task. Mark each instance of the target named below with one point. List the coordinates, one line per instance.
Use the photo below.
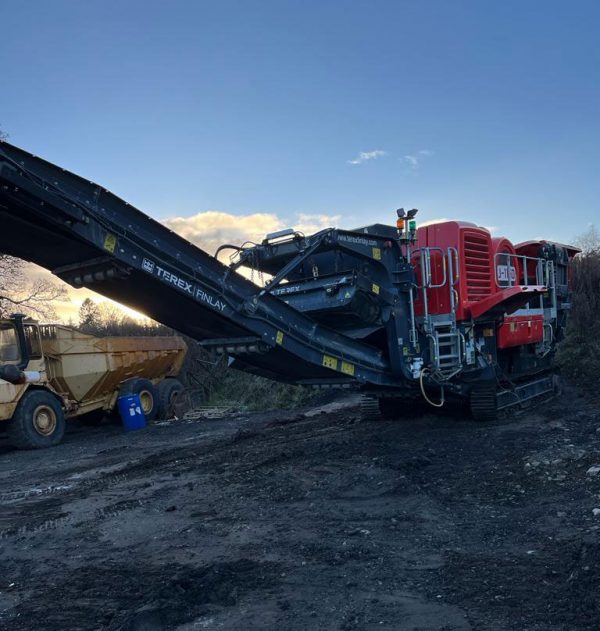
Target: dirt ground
(308, 521)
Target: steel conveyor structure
(90, 238)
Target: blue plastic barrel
(131, 412)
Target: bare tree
(90, 317)
(111, 318)
(589, 241)
(19, 292)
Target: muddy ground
(286, 521)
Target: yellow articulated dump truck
(50, 372)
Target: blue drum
(131, 412)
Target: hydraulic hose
(432, 403)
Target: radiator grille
(476, 251)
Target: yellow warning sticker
(279, 337)
(330, 362)
(375, 289)
(348, 368)
(110, 242)
(377, 254)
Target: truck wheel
(169, 393)
(38, 421)
(483, 402)
(147, 393)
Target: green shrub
(249, 392)
(579, 354)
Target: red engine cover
(475, 265)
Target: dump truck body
(83, 373)
(88, 370)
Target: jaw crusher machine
(404, 314)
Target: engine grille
(477, 257)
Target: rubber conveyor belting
(90, 237)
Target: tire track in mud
(114, 510)
(31, 529)
(63, 489)
(173, 458)
(64, 519)
(38, 500)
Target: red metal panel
(505, 301)
(506, 265)
(520, 330)
(474, 248)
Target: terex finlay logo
(189, 288)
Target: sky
(226, 119)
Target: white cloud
(414, 160)
(364, 156)
(208, 230)
(313, 223)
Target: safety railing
(450, 272)
(512, 270)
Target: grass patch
(252, 393)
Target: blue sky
(483, 111)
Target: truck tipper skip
(49, 373)
(403, 314)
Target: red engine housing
(472, 253)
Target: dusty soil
(286, 521)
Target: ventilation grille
(478, 271)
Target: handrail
(453, 252)
(543, 275)
(425, 256)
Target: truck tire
(169, 391)
(38, 421)
(147, 393)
